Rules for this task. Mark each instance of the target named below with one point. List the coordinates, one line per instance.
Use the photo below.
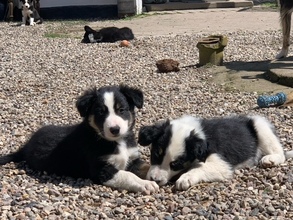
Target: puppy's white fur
(113, 120)
(214, 169)
(120, 159)
(122, 179)
(269, 144)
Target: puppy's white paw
(185, 181)
(272, 160)
(283, 53)
(22, 25)
(149, 187)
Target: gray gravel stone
(41, 78)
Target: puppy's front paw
(149, 187)
(185, 181)
(272, 160)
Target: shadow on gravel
(43, 177)
(248, 66)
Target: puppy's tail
(289, 154)
(13, 157)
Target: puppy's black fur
(107, 34)
(97, 148)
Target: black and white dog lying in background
(286, 9)
(30, 15)
(102, 147)
(107, 35)
(206, 150)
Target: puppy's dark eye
(176, 165)
(121, 110)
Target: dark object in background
(167, 65)
(107, 34)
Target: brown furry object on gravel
(167, 65)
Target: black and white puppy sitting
(107, 35)
(206, 150)
(30, 15)
(102, 147)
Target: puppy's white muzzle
(26, 5)
(115, 127)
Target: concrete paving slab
(281, 71)
(248, 76)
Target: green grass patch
(272, 5)
(69, 22)
(143, 15)
(56, 35)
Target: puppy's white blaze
(113, 119)
(213, 169)
(182, 128)
(91, 38)
(120, 160)
(129, 181)
(162, 173)
(26, 4)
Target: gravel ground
(41, 78)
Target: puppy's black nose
(115, 130)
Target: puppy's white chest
(26, 12)
(120, 160)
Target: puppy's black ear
(134, 96)
(196, 147)
(148, 134)
(88, 29)
(85, 101)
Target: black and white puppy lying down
(107, 35)
(206, 150)
(102, 147)
(30, 15)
